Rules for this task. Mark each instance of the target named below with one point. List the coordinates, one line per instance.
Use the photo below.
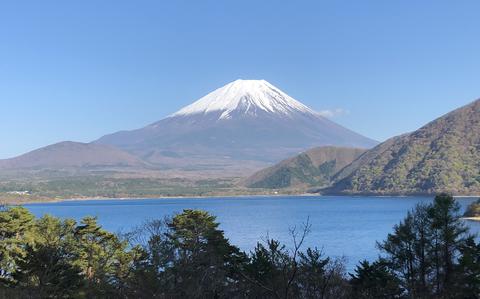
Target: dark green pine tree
(102, 257)
(268, 270)
(449, 234)
(407, 252)
(16, 230)
(47, 272)
(320, 277)
(425, 247)
(467, 277)
(205, 262)
(47, 269)
(375, 280)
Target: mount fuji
(243, 122)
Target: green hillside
(315, 167)
(443, 156)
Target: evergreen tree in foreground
(375, 280)
(424, 249)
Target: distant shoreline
(472, 218)
(166, 197)
(57, 200)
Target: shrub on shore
(473, 210)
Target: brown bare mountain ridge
(71, 155)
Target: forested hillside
(315, 167)
(443, 156)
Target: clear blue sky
(75, 70)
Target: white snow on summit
(245, 96)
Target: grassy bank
(103, 187)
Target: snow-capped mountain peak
(250, 121)
(246, 97)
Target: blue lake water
(341, 226)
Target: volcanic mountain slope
(242, 122)
(443, 156)
(70, 155)
(315, 167)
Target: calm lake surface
(342, 226)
